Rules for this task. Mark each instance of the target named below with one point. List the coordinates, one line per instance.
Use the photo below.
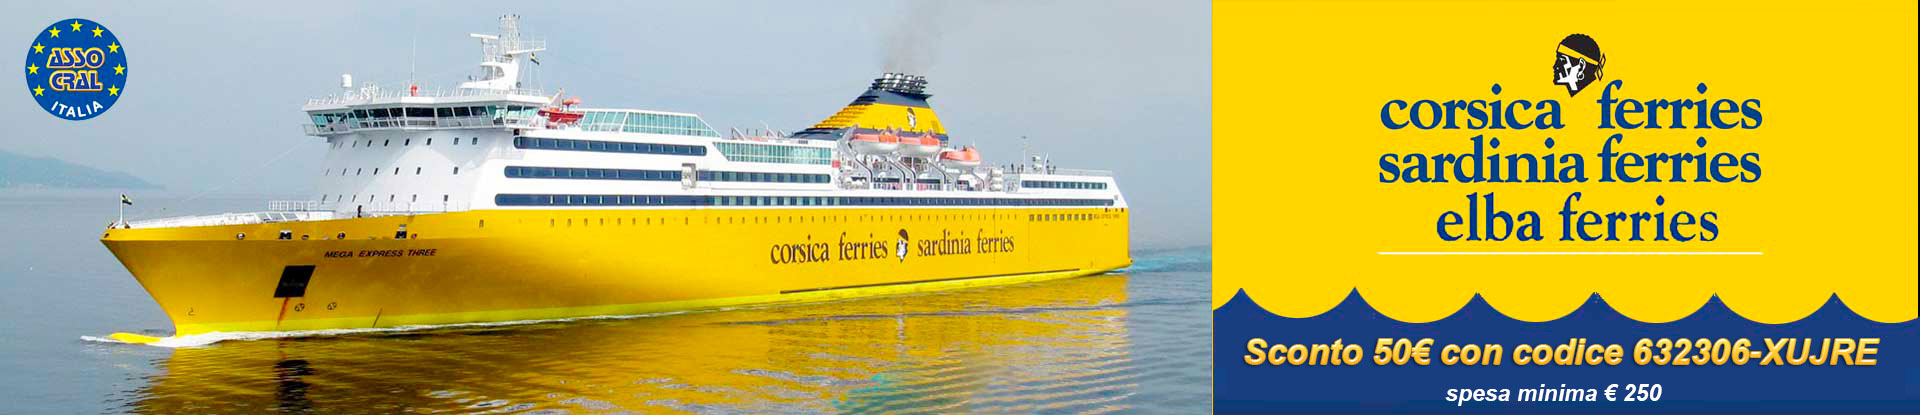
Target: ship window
(456, 170)
(407, 143)
(462, 112)
(396, 170)
(476, 140)
(376, 172)
(360, 114)
(429, 141)
(443, 112)
(416, 171)
(420, 112)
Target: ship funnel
(894, 101)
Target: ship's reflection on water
(1058, 346)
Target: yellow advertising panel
(1656, 153)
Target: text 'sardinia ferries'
(494, 203)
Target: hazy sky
(215, 89)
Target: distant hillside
(18, 171)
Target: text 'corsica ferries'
(494, 203)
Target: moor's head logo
(900, 248)
(1578, 63)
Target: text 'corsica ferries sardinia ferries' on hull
(494, 203)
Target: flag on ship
(124, 200)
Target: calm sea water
(1132, 342)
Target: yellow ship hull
(513, 265)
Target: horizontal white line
(1579, 253)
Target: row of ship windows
(742, 152)
(373, 198)
(406, 142)
(376, 171)
(628, 121)
(1067, 217)
(756, 219)
(421, 112)
(682, 200)
(607, 146)
(769, 153)
(645, 122)
(730, 220)
(661, 175)
(1049, 184)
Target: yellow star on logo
(96, 31)
(37, 90)
(54, 32)
(119, 70)
(115, 47)
(76, 25)
(113, 90)
(32, 69)
(37, 48)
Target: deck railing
(1028, 169)
(303, 210)
(364, 95)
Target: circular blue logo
(76, 69)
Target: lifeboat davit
(963, 158)
(874, 143)
(924, 145)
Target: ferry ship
(491, 202)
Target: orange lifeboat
(874, 143)
(924, 145)
(565, 114)
(967, 157)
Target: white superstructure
(491, 144)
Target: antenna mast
(500, 56)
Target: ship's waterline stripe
(1574, 253)
(557, 313)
